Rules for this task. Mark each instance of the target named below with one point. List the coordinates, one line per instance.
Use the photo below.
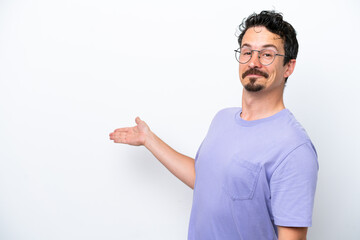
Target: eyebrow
(264, 46)
(270, 45)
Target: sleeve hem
(292, 224)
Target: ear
(290, 66)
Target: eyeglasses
(266, 56)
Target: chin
(254, 87)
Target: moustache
(255, 71)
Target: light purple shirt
(252, 176)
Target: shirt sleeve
(293, 186)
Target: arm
(292, 233)
(293, 186)
(183, 167)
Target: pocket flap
(241, 178)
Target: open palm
(131, 135)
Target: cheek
(275, 77)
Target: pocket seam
(245, 165)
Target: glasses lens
(267, 56)
(237, 54)
(244, 55)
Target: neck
(258, 105)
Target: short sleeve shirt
(252, 176)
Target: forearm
(292, 238)
(183, 167)
(292, 233)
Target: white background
(72, 71)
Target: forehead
(258, 37)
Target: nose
(255, 59)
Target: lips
(254, 71)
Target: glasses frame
(239, 51)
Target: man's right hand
(183, 167)
(135, 136)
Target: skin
(269, 100)
(255, 105)
(183, 167)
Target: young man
(256, 169)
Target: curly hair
(273, 22)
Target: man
(256, 169)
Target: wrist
(148, 139)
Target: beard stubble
(252, 86)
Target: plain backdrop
(72, 71)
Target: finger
(137, 120)
(123, 135)
(116, 138)
(122, 129)
(112, 135)
(118, 135)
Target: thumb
(137, 120)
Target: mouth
(254, 75)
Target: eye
(246, 52)
(267, 54)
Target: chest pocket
(241, 178)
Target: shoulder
(225, 115)
(296, 143)
(292, 130)
(303, 156)
(289, 136)
(226, 112)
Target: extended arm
(183, 167)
